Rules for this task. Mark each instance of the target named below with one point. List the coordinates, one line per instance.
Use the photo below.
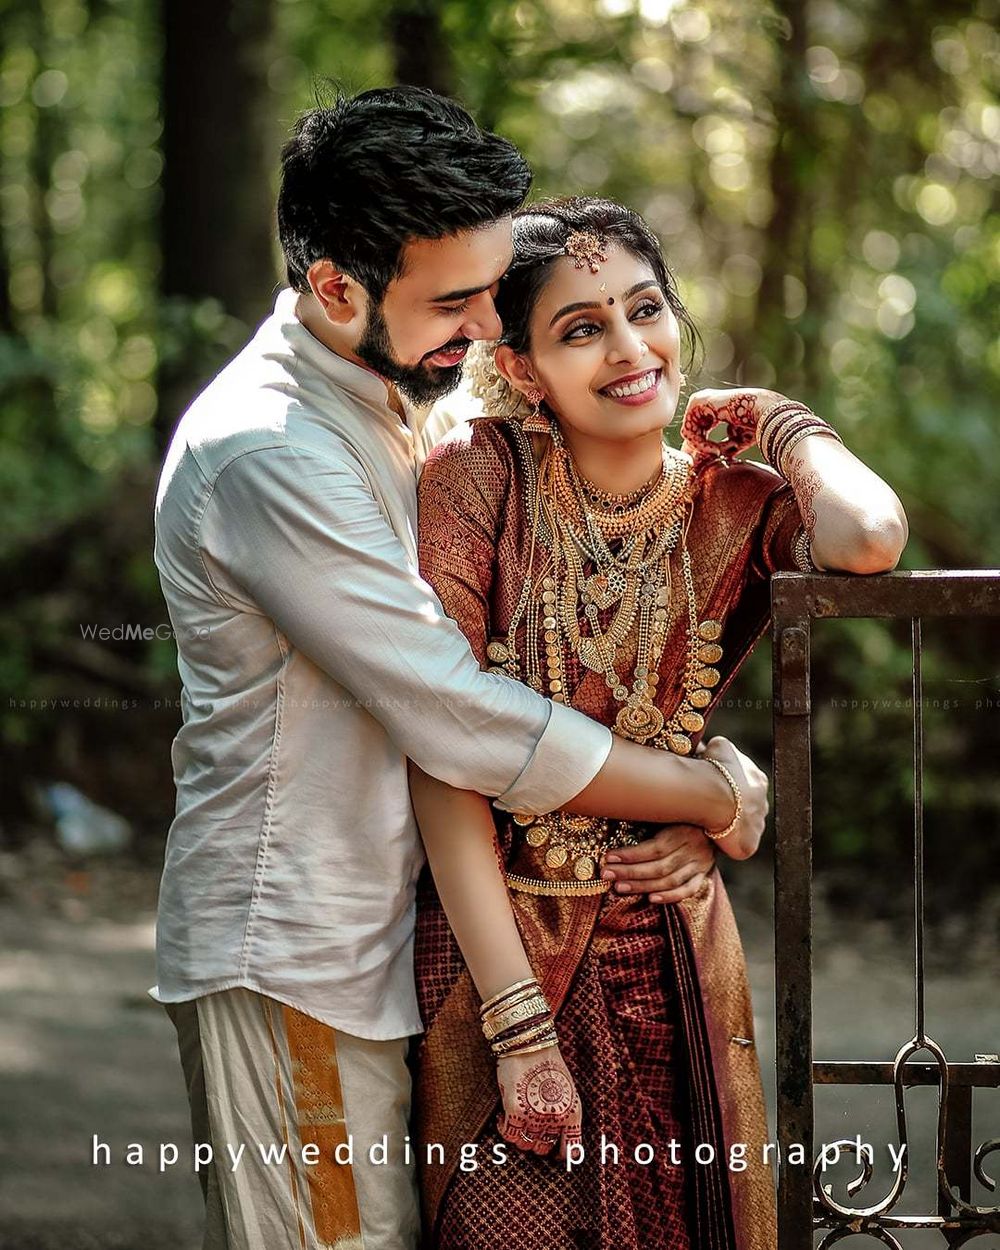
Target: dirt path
(83, 1051)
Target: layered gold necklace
(612, 553)
(604, 581)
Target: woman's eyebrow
(644, 285)
(571, 308)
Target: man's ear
(515, 368)
(341, 298)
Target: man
(314, 661)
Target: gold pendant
(639, 721)
(679, 744)
(700, 698)
(710, 653)
(589, 655)
(556, 856)
(709, 630)
(692, 721)
(584, 868)
(603, 589)
(523, 818)
(498, 652)
(537, 835)
(707, 677)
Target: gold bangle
(520, 1015)
(724, 833)
(534, 1034)
(529, 1050)
(518, 985)
(512, 1000)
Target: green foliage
(821, 175)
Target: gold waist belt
(571, 844)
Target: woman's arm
(854, 520)
(460, 839)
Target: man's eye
(448, 310)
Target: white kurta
(314, 660)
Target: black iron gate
(804, 1205)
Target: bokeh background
(823, 176)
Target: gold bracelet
(724, 833)
(529, 1050)
(512, 1000)
(530, 1010)
(534, 1034)
(518, 985)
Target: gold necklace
(562, 610)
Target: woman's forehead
(614, 278)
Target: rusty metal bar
(918, 831)
(960, 1075)
(957, 1157)
(793, 914)
(970, 592)
(796, 600)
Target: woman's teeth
(636, 387)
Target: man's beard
(421, 383)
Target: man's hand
(669, 866)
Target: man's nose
(482, 321)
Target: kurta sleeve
(300, 538)
(461, 492)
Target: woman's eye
(649, 308)
(581, 330)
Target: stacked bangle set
(518, 1020)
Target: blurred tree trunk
(420, 48)
(796, 154)
(216, 224)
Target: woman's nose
(626, 345)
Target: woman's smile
(634, 389)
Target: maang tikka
(586, 249)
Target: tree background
(822, 174)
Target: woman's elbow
(876, 545)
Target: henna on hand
(544, 1107)
(738, 410)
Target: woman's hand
(752, 781)
(669, 866)
(739, 410)
(541, 1107)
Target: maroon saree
(652, 1005)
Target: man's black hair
(364, 175)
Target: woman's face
(605, 348)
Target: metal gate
(805, 1208)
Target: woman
(582, 555)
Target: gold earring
(536, 422)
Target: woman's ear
(341, 298)
(515, 368)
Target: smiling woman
(583, 556)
